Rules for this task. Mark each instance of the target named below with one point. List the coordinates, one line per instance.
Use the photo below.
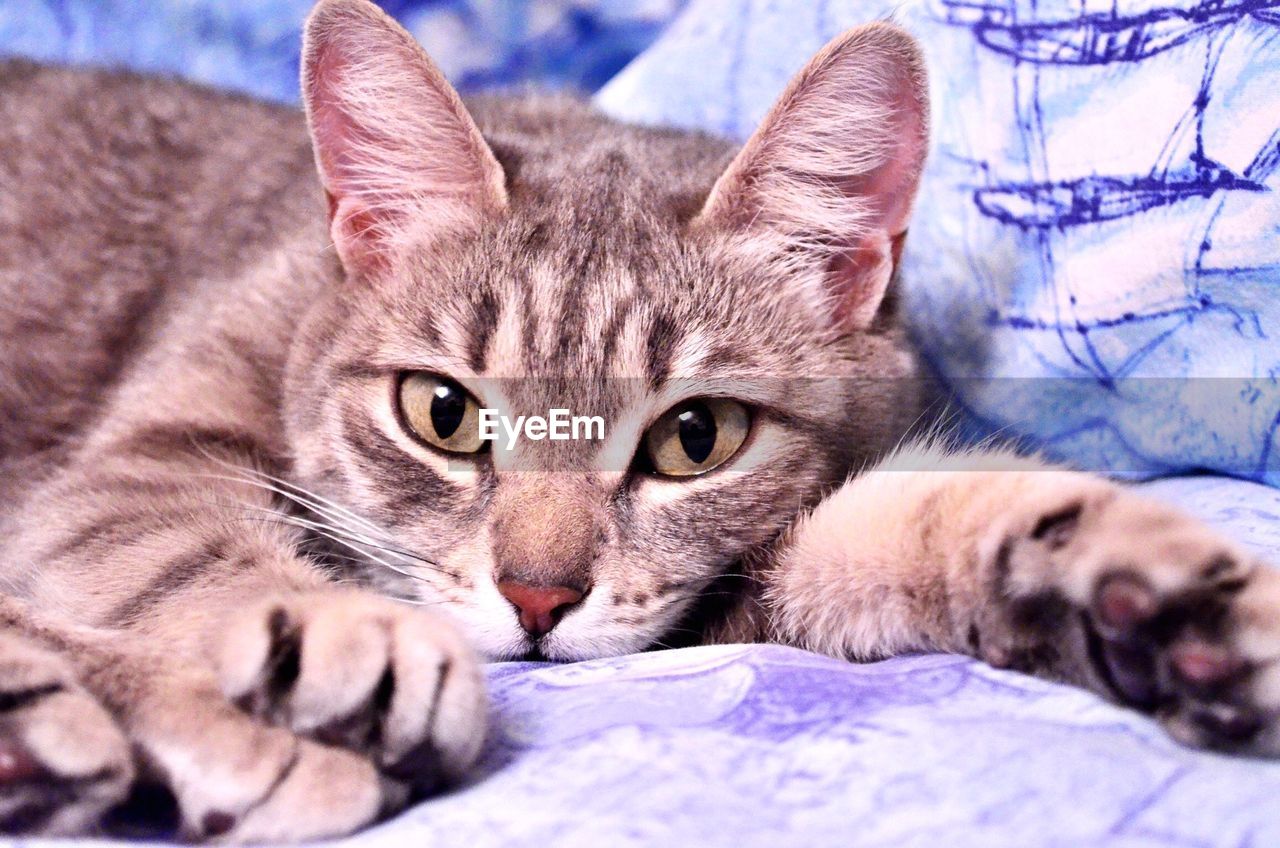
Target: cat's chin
(550, 652)
(575, 644)
(534, 654)
(540, 654)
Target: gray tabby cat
(253, 544)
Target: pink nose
(540, 607)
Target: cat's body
(118, 220)
(221, 272)
(208, 382)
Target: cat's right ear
(825, 185)
(400, 159)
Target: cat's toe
(1119, 647)
(236, 779)
(64, 762)
(436, 712)
(324, 792)
(1212, 705)
(1201, 654)
(125, 740)
(365, 673)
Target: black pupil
(447, 410)
(697, 432)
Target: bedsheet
(767, 746)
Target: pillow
(1094, 261)
(253, 46)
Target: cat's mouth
(534, 654)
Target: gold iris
(441, 413)
(697, 436)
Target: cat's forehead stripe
(485, 311)
(663, 337)
(518, 325)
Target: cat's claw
(365, 673)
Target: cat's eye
(697, 436)
(441, 413)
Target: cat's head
(727, 317)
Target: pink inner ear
(886, 192)
(355, 230)
(398, 155)
(329, 128)
(859, 277)
(889, 191)
(354, 224)
(832, 172)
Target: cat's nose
(540, 607)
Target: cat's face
(737, 356)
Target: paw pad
(1201, 663)
(1225, 723)
(16, 763)
(1125, 601)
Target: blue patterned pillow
(1095, 258)
(253, 45)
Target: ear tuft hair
(399, 157)
(829, 177)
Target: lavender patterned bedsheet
(767, 746)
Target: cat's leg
(1048, 571)
(261, 674)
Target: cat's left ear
(829, 177)
(400, 159)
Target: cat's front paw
(351, 669)
(86, 719)
(1170, 617)
(63, 759)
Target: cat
(254, 548)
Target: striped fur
(228, 566)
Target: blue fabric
(1094, 263)
(253, 46)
